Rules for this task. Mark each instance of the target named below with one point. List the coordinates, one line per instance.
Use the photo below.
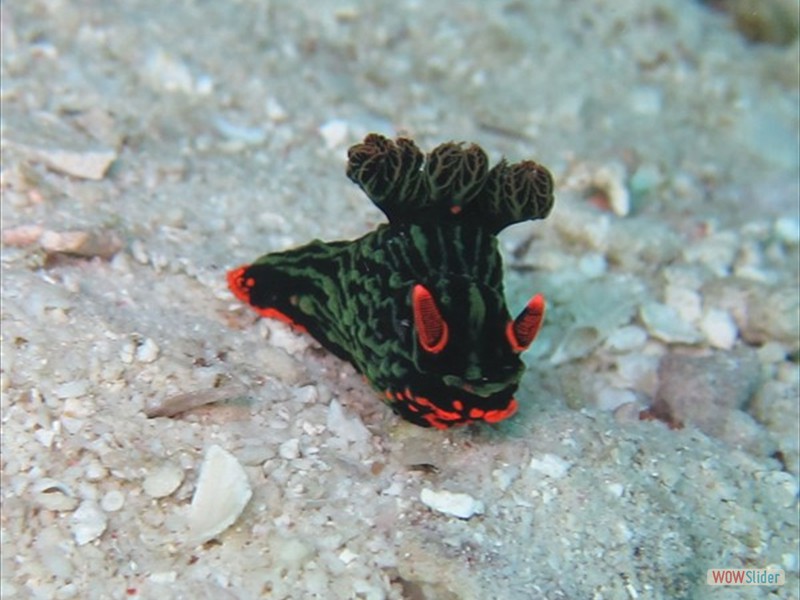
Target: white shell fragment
(223, 491)
(454, 504)
(88, 522)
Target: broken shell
(454, 504)
(223, 491)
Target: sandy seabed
(160, 441)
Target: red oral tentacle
(431, 327)
(522, 331)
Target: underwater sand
(149, 146)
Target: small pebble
(95, 471)
(454, 504)
(550, 465)
(147, 351)
(163, 577)
(239, 133)
(88, 522)
(719, 328)
(646, 100)
(347, 556)
(102, 244)
(275, 111)
(167, 72)
(45, 437)
(788, 230)
(592, 265)
(162, 481)
(610, 179)
(664, 323)
(21, 236)
(81, 164)
(612, 398)
(616, 489)
(627, 338)
(334, 132)
(112, 501)
(347, 427)
(646, 178)
(290, 449)
(72, 389)
(578, 342)
(685, 301)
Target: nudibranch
(417, 306)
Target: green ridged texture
(355, 297)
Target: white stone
(664, 323)
(550, 465)
(685, 301)
(334, 132)
(627, 338)
(788, 230)
(611, 180)
(616, 489)
(593, 265)
(163, 577)
(88, 522)
(243, 134)
(147, 351)
(45, 437)
(168, 72)
(88, 164)
(275, 111)
(789, 561)
(719, 328)
(612, 398)
(717, 252)
(162, 481)
(127, 352)
(646, 178)
(112, 501)
(454, 504)
(578, 342)
(72, 389)
(350, 428)
(223, 491)
(646, 100)
(290, 449)
(95, 471)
